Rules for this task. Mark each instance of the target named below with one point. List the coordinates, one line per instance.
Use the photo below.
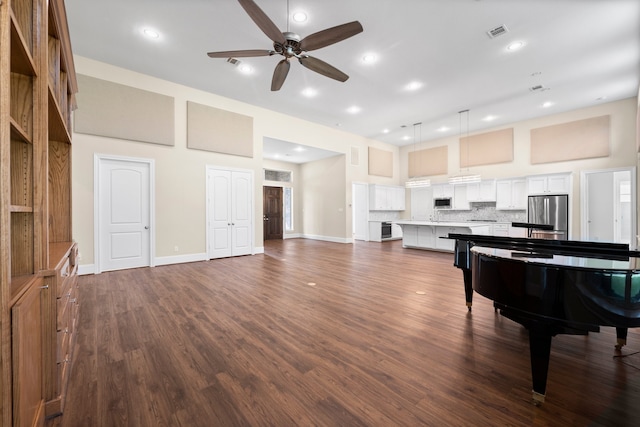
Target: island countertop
(432, 234)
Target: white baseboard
(328, 238)
(258, 250)
(291, 236)
(180, 259)
(86, 269)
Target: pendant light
(417, 182)
(464, 178)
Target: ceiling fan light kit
(290, 45)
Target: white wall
(180, 172)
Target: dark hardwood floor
(249, 341)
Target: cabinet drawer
(62, 351)
(63, 312)
(62, 275)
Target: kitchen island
(427, 234)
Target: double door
(229, 212)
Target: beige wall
(622, 153)
(324, 201)
(180, 172)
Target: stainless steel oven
(386, 230)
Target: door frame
(252, 202)
(354, 218)
(97, 162)
(584, 198)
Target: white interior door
(229, 213)
(124, 208)
(607, 214)
(219, 213)
(241, 213)
(360, 196)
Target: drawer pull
(44, 287)
(74, 300)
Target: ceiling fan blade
(279, 74)
(323, 68)
(240, 53)
(330, 36)
(262, 21)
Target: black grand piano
(552, 287)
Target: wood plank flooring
(248, 341)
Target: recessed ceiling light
(299, 149)
(601, 98)
(385, 130)
(443, 129)
(369, 58)
(299, 16)
(547, 104)
(245, 69)
(354, 109)
(515, 46)
(150, 33)
(489, 118)
(414, 85)
(406, 138)
(309, 92)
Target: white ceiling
(584, 52)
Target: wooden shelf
(17, 132)
(57, 126)
(18, 208)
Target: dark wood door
(272, 212)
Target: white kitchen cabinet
(396, 231)
(386, 198)
(426, 237)
(442, 191)
(511, 194)
(460, 200)
(549, 184)
(410, 235)
(500, 229)
(517, 232)
(447, 244)
(483, 191)
(375, 231)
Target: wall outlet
(175, 249)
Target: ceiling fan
(290, 45)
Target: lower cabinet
(27, 354)
(61, 325)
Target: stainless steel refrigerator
(551, 210)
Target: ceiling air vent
(538, 88)
(233, 61)
(497, 31)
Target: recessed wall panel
(581, 139)
(220, 131)
(380, 162)
(428, 162)
(487, 148)
(124, 112)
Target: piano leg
(540, 350)
(621, 334)
(468, 288)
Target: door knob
(146, 227)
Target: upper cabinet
(442, 191)
(483, 191)
(511, 194)
(386, 198)
(549, 184)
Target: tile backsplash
(481, 211)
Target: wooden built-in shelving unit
(38, 270)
